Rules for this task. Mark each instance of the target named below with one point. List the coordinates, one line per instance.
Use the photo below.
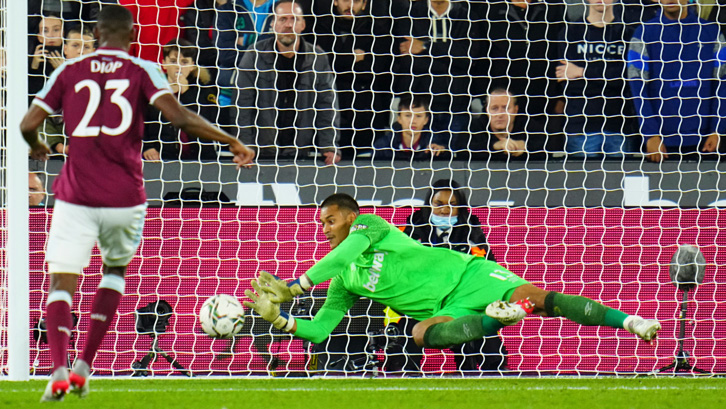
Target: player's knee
(64, 282)
(118, 271)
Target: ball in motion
(222, 316)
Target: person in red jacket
(155, 25)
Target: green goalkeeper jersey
(380, 262)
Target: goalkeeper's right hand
(279, 290)
(268, 309)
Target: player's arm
(193, 124)
(29, 128)
(338, 301)
(331, 265)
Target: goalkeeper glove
(279, 290)
(268, 309)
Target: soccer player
(100, 191)
(457, 297)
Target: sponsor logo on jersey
(374, 272)
(358, 227)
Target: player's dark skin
(180, 117)
(336, 225)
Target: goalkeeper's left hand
(279, 290)
(268, 310)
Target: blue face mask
(442, 222)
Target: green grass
(542, 393)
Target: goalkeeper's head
(337, 214)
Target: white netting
(604, 228)
(3, 197)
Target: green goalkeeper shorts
(483, 283)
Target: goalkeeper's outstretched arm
(320, 328)
(328, 267)
(338, 301)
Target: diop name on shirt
(105, 67)
(374, 272)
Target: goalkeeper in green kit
(457, 297)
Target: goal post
(604, 229)
(14, 290)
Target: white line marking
(272, 388)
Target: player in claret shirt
(100, 191)
(457, 297)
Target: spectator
(631, 12)
(69, 10)
(48, 44)
(675, 70)
(156, 23)
(503, 133)
(523, 38)
(199, 26)
(446, 221)
(78, 12)
(592, 67)
(285, 93)
(359, 48)
(436, 53)
(49, 48)
(78, 41)
(36, 191)
(240, 24)
(410, 137)
(189, 83)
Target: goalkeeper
(457, 297)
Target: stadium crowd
(419, 80)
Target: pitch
(500, 393)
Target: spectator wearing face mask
(445, 221)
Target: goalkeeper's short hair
(343, 201)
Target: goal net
(603, 226)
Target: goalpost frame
(17, 214)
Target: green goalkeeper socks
(460, 330)
(582, 310)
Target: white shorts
(75, 229)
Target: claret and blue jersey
(103, 96)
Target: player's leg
(59, 323)
(445, 331)
(105, 303)
(118, 241)
(460, 318)
(583, 311)
(70, 241)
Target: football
(221, 316)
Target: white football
(222, 316)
